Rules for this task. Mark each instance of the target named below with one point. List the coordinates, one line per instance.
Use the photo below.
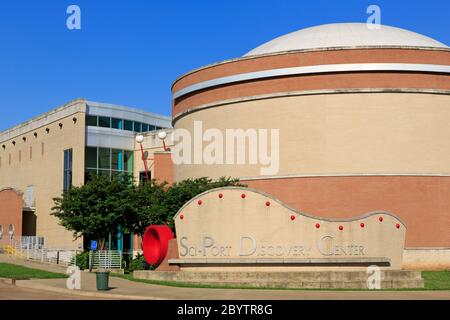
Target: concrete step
(307, 279)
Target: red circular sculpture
(362, 225)
(155, 243)
(341, 228)
(199, 202)
(220, 195)
(267, 203)
(381, 219)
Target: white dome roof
(345, 35)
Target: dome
(345, 35)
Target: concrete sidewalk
(125, 289)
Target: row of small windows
(35, 134)
(114, 123)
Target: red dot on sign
(181, 217)
(220, 195)
(199, 202)
(267, 203)
(317, 225)
(397, 225)
(381, 219)
(341, 228)
(292, 217)
(362, 225)
(243, 195)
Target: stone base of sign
(390, 279)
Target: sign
(244, 226)
(93, 245)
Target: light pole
(139, 139)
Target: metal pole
(145, 163)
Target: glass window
(137, 127)
(91, 120)
(116, 159)
(104, 158)
(128, 125)
(143, 177)
(104, 122)
(116, 123)
(67, 183)
(128, 161)
(144, 127)
(151, 127)
(90, 157)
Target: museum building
(363, 117)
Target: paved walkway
(125, 289)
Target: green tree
(98, 207)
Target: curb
(8, 281)
(37, 286)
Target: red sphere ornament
(317, 225)
(243, 196)
(199, 202)
(292, 217)
(362, 225)
(341, 228)
(181, 217)
(397, 225)
(220, 195)
(267, 203)
(381, 219)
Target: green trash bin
(102, 280)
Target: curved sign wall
(238, 227)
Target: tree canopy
(102, 205)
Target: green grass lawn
(434, 280)
(14, 271)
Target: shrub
(82, 260)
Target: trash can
(102, 280)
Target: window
(128, 125)
(104, 158)
(144, 127)
(67, 184)
(104, 122)
(107, 162)
(151, 127)
(116, 159)
(116, 123)
(137, 127)
(91, 120)
(143, 177)
(128, 164)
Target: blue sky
(129, 52)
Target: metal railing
(33, 248)
(105, 259)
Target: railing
(105, 259)
(33, 248)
